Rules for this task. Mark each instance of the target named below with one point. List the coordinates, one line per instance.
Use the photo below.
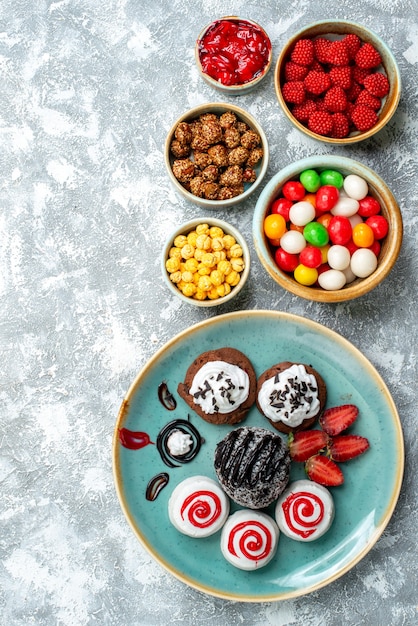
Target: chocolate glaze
(188, 429)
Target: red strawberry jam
(234, 52)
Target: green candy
(331, 177)
(316, 234)
(310, 180)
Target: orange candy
(274, 226)
(363, 235)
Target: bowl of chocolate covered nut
(216, 155)
(205, 262)
(337, 82)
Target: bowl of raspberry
(337, 81)
(216, 155)
(327, 228)
(233, 55)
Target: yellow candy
(217, 243)
(191, 238)
(203, 242)
(202, 229)
(172, 264)
(204, 283)
(237, 264)
(180, 241)
(305, 275)
(203, 270)
(198, 253)
(187, 251)
(213, 294)
(229, 241)
(187, 277)
(223, 290)
(191, 265)
(216, 277)
(216, 231)
(200, 294)
(232, 278)
(175, 252)
(224, 266)
(208, 259)
(220, 255)
(175, 277)
(189, 289)
(235, 251)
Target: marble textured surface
(89, 91)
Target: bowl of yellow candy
(205, 262)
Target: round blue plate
(364, 503)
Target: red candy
(294, 190)
(282, 207)
(339, 229)
(379, 226)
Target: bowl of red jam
(327, 228)
(337, 82)
(233, 54)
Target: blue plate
(364, 503)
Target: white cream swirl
(220, 387)
(290, 397)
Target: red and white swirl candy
(198, 507)
(249, 539)
(305, 510)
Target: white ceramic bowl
(389, 209)
(185, 229)
(218, 108)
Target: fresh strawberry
(363, 117)
(377, 84)
(294, 91)
(303, 52)
(317, 82)
(294, 71)
(335, 99)
(338, 53)
(341, 76)
(321, 47)
(346, 447)
(338, 418)
(367, 56)
(340, 126)
(353, 43)
(320, 122)
(304, 110)
(324, 471)
(366, 98)
(306, 443)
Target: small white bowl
(240, 88)
(261, 167)
(185, 229)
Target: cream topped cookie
(291, 396)
(220, 386)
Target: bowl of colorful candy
(216, 155)
(205, 262)
(327, 228)
(233, 55)
(337, 82)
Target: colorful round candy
(305, 511)
(331, 177)
(198, 507)
(316, 234)
(249, 539)
(363, 262)
(311, 180)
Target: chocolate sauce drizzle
(155, 485)
(185, 427)
(166, 397)
(246, 459)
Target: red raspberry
(340, 126)
(317, 82)
(294, 71)
(303, 52)
(335, 99)
(360, 73)
(321, 46)
(304, 110)
(293, 92)
(341, 76)
(353, 92)
(316, 66)
(368, 57)
(364, 117)
(366, 98)
(338, 53)
(320, 122)
(353, 43)
(377, 84)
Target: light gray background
(88, 92)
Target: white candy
(249, 539)
(363, 262)
(349, 275)
(301, 213)
(332, 280)
(338, 257)
(345, 206)
(355, 219)
(292, 242)
(305, 511)
(198, 507)
(356, 187)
